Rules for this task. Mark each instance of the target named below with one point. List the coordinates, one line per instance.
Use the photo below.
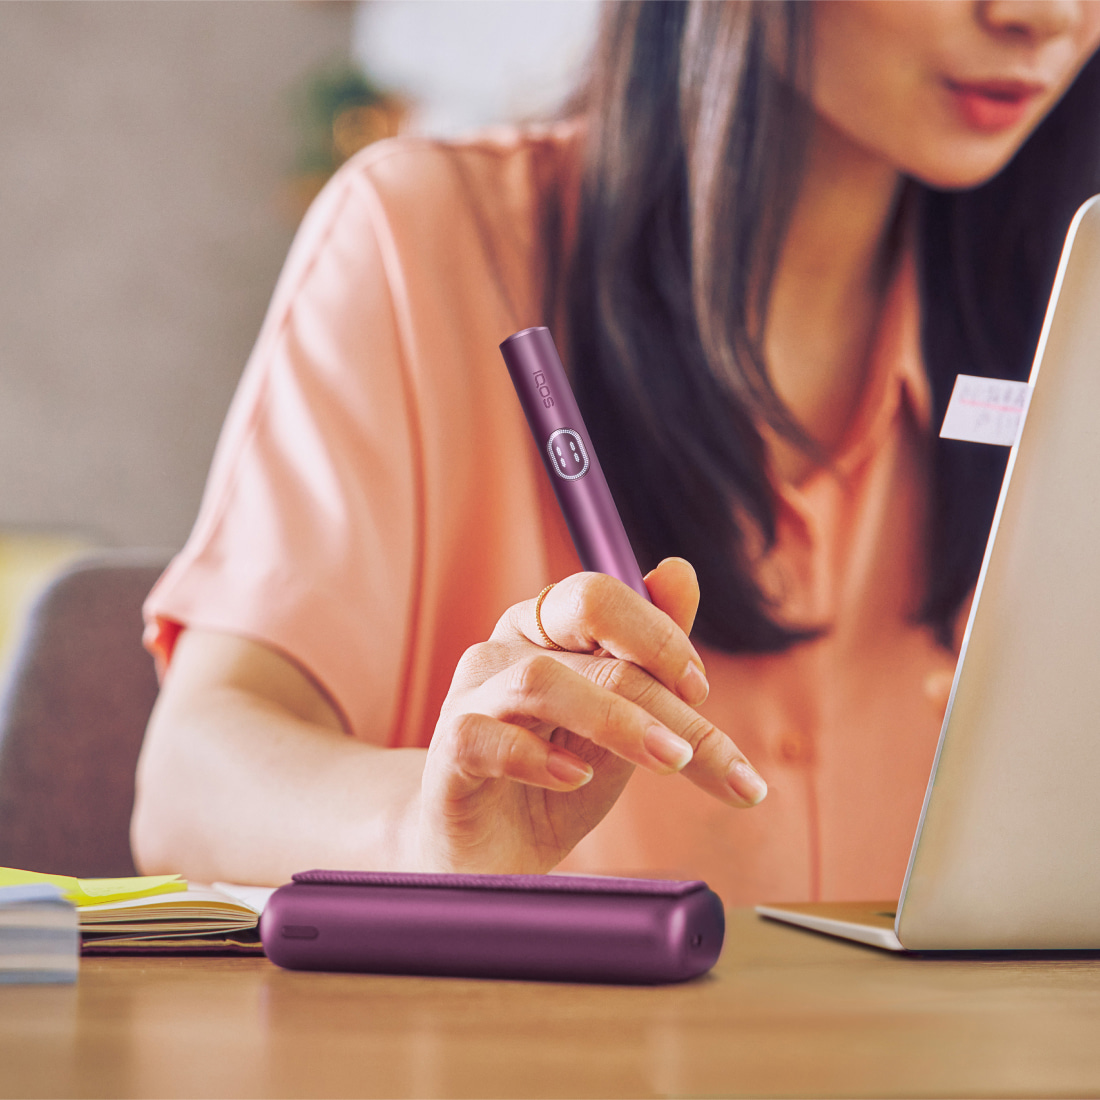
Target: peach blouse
(376, 502)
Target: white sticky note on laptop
(985, 410)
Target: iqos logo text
(543, 388)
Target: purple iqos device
(545, 927)
(567, 453)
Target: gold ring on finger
(550, 643)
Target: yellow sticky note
(97, 891)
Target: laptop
(1007, 850)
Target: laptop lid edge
(1055, 295)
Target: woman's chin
(956, 177)
(965, 165)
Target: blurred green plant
(338, 111)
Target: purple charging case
(548, 927)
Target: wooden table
(785, 1013)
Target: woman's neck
(828, 288)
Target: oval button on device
(567, 454)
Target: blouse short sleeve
(343, 517)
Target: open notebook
(158, 914)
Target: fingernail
(663, 745)
(746, 783)
(566, 770)
(692, 686)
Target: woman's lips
(993, 105)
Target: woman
(767, 238)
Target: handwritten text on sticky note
(985, 410)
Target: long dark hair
(694, 147)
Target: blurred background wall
(156, 160)
(142, 224)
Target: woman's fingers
(674, 588)
(542, 690)
(628, 682)
(717, 765)
(610, 702)
(482, 747)
(589, 611)
(721, 768)
(597, 703)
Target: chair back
(72, 716)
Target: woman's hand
(533, 746)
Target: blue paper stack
(39, 937)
